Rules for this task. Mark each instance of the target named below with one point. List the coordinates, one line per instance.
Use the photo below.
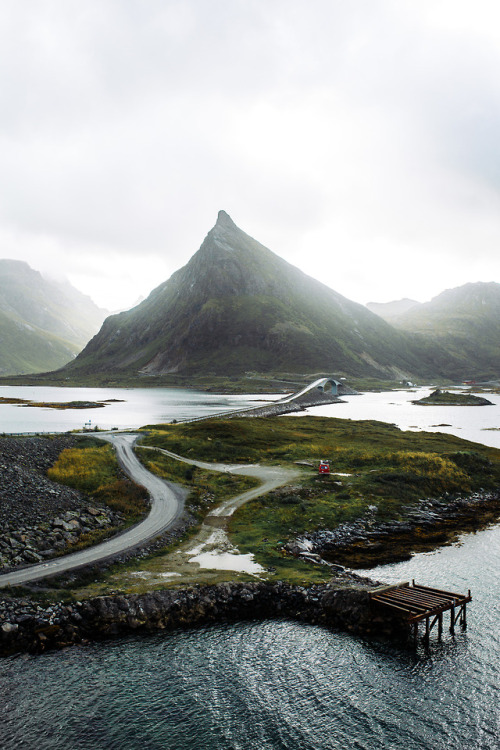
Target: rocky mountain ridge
(465, 323)
(236, 306)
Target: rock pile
(40, 518)
(34, 543)
(367, 536)
(26, 494)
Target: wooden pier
(418, 603)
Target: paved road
(167, 503)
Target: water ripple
(273, 685)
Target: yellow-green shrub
(85, 469)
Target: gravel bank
(40, 518)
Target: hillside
(465, 322)
(235, 307)
(43, 324)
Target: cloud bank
(358, 140)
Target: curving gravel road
(167, 504)
(270, 476)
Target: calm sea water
(280, 685)
(131, 408)
(478, 423)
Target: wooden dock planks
(416, 603)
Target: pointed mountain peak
(225, 221)
(225, 235)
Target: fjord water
(274, 685)
(480, 424)
(126, 407)
(282, 685)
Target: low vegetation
(348, 444)
(207, 488)
(378, 471)
(93, 469)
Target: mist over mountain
(236, 306)
(390, 310)
(465, 322)
(43, 324)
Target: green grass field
(388, 472)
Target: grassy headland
(378, 471)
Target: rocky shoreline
(367, 543)
(445, 398)
(342, 604)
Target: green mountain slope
(43, 324)
(236, 306)
(464, 322)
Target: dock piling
(416, 603)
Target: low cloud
(357, 140)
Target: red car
(324, 467)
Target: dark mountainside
(466, 323)
(237, 307)
(43, 324)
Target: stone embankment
(39, 518)
(33, 543)
(343, 604)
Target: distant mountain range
(464, 322)
(237, 307)
(43, 324)
(390, 310)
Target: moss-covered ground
(377, 469)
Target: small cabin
(324, 467)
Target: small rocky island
(59, 404)
(445, 398)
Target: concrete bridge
(321, 391)
(328, 386)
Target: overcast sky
(357, 139)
